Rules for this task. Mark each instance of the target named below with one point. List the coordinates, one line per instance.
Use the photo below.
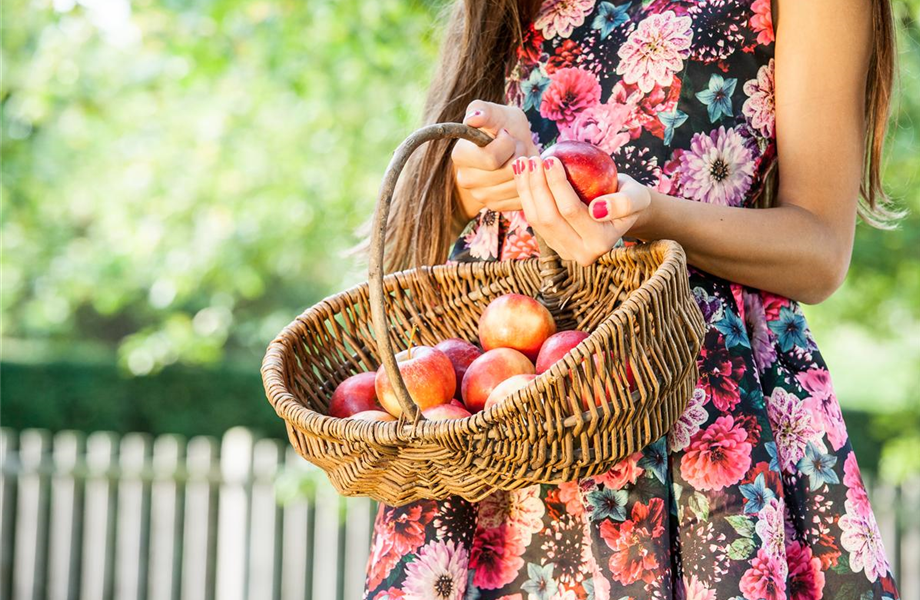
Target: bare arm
(801, 248)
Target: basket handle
(551, 270)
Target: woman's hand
(483, 175)
(577, 232)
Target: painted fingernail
(599, 209)
(514, 168)
(548, 163)
(532, 164)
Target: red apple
(515, 321)
(354, 395)
(557, 346)
(429, 377)
(372, 415)
(508, 387)
(455, 402)
(589, 169)
(488, 371)
(461, 353)
(443, 412)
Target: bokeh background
(181, 178)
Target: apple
(557, 346)
(443, 412)
(429, 377)
(589, 169)
(372, 415)
(355, 394)
(455, 402)
(488, 371)
(518, 322)
(508, 387)
(461, 353)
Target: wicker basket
(634, 301)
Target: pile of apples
(454, 379)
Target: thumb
(485, 116)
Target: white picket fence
(131, 518)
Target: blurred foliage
(180, 178)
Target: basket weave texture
(577, 419)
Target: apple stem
(411, 337)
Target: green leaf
(743, 525)
(699, 504)
(741, 549)
(843, 564)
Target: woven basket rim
(312, 422)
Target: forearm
(785, 250)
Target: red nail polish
(532, 164)
(548, 163)
(514, 168)
(508, 133)
(599, 210)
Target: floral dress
(755, 492)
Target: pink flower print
(765, 580)
(689, 422)
(862, 539)
(570, 91)
(655, 50)
(603, 125)
(856, 490)
(792, 427)
(718, 168)
(561, 17)
(823, 406)
(762, 22)
(760, 107)
(717, 457)
(806, 578)
(496, 557)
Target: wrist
(643, 227)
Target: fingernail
(475, 113)
(599, 209)
(514, 168)
(532, 164)
(548, 163)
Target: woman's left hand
(577, 232)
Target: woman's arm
(801, 248)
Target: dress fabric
(755, 493)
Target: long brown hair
(479, 40)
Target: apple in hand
(429, 377)
(355, 394)
(372, 415)
(461, 353)
(557, 346)
(488, 371)
(508, 387)
(589, 169)
(443, 412)
(515, 321)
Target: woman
(752, 135)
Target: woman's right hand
(483, 175)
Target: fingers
(630, 199)
(542, 213)
(491, 157)
(569, 205)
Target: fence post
(98, 517)
(132, 521)
(165, 518)
(66, 500)
(8, 462)
(909, 582)
(233, 517)
(31, 518)
(296, 553)
(263, 523)
(326, 532)
(357, 548)
(199, 536)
